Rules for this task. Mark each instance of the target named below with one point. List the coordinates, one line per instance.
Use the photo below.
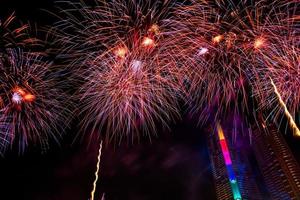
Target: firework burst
(86, 31)
(130, 93)
(31, 108)
(133, 58)
(121, 54)
(220, 43)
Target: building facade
(264, 168)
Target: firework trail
(279, 67)
(97, 172)
(292, 123)
(31, 109)
(121, 54)
(14, 34)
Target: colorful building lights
(228, 163)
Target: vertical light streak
(97, 171)
(228, 163)
(291, 121)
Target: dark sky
(174, 166)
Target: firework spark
(31, 106)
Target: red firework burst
(220, 44)
(31, 107)
(121, 53)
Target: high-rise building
(222, 185)
(279, 169)
(265, 169)
(234, 176)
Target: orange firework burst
(31, 106)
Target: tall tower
(222, 185)
(280, 170)
(233, 173)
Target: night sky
(174, 166)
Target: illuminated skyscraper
(227, 158)
(233, 173)
(265, 169)
(222, 185)
(280, 170)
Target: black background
(174, 166)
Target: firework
(133, 59)
(85, 30)
(31, 109)
(97, 172)
(128, 94)
(219, 44)
(276, 83)
(120, 51)
(13, 34)
(287, 113)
